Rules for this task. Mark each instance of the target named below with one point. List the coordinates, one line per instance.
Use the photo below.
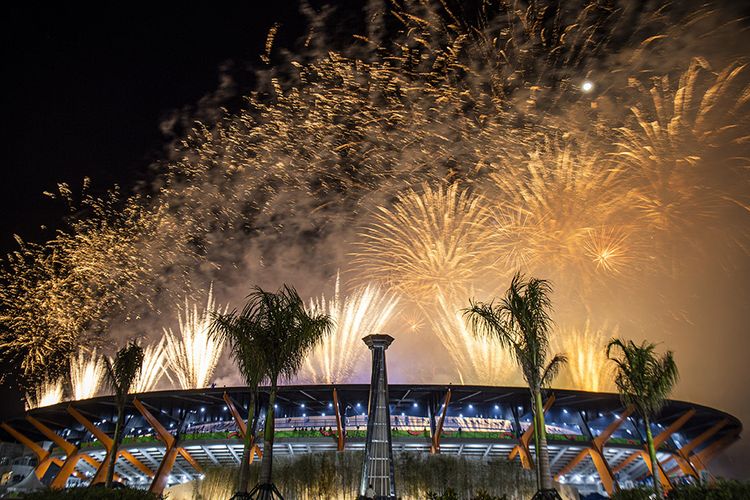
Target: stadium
(173, 436)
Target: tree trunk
(245, 465)
(267, 463)
(116, 439)
(542, 453)
(536, 446)
(655, 471)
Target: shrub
(96, 493)
(721, 490)
(634, 494)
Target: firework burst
(193, 355)
(365, 311)
(680, 149)
(86, 373)
(47, 393)
(154, 367)
(562, 212)
(429, 242)
(587, 368)
(477, 359)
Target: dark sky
(85, 91)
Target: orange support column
(242, 428)
(43, 458)
(522, 447)
(711, 450)
(170, 453)
(106, 441)
(596, 452)
(685, 451)
(71, 452)
(339, 427)
(658, 441)
(435, 446)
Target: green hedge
(337, 475)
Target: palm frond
(643, 378)
(553, 369)
(122, 372)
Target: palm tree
(644, 380)
(238, 331)
(120, 376)
(284, 333)
(521, 323)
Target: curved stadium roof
(480, 422)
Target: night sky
(85, 93)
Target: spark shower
(601, 146)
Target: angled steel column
(172, 449)
(596, 452)
(523, 442)
(377, 471)
(658, 440)
(341, 438)
(242, 428)
(106, 441)
(710, 451)
(435, 446)
(684, 452)
(72, 456)
(43, 458)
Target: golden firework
(365, 311)
(587, 368)
(86, 373)
(154, 367)
(193, 355)
(429, 242)
(47, 393)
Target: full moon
(587, 86)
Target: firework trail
(193, 355)
(429, 242)
(562, 212)
(66, 292)
(587, 368)
(365, 311)
(86, 373)
(478, 360)
(680, 148)
(154, 367)
(46, 394)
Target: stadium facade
(594, 440)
